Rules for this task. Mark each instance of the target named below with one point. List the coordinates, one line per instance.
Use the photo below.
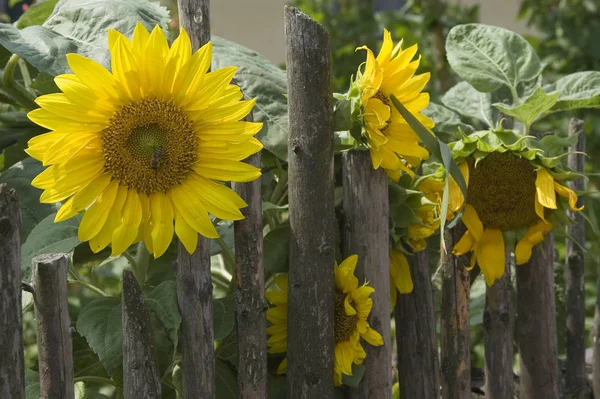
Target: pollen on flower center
(149, 145)
(345, 325)
(502, 191)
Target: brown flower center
(502, 191)
(149, 145)
(344, 325)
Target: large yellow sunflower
(512, 187)
(141, 149)
(394, 146)
(352, 308)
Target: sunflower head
(353, 305)
(514, 185)
(142, 149)
(394, 146)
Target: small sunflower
(142, 149)
(513, 182)
(352, 308)
(393, 144)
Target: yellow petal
(226, 170)
(90, 192)
(104, 236)
(400, 272)
(94, 76)
(544, 184)
(187, 235)
(535, 234)
(471, 220)
(162, 222)
(491, 255)
(65, 212)
(126, 233)
(95, 217)
(464, 245)
(192, 213)
(566, 192)
(350, 311)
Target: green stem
(515, 96)
(89, 286)
(228, 255)
(139, 264)
(92, 378)
(17, 91)
(279, 188)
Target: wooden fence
(423, 372)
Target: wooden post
(140, 370)
(12, 366)
(498, 324)
(596, 339)
(536, 320)
(575, 379)
(250, 303)
(194, 285)
(55, 353)
(456, 286)
(311, 209)
(418, 359)
(366, 234)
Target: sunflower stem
(18, 92)
(280, 188)
(93, 378)
(89, 286)
(139, 264)
(228, 255)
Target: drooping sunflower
(353, 305)
(513, 186)
(415, 212)
(393, 144)
(143, 149)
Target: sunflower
(393, 144)
(513, 186)
(142, 149)
(352, 308)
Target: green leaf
(489, 57)
(533, 108)
(228, 348)
(578, 90)
(358, 370)
(19, 177)
(226, 381)
(342, 115)
(277, 387)
(464, 99)
(262, 80)
(49, 237)
(163, 306)
(32, 384)
(44, 83)
(446, 121)
(226, 232)
(277, 249)
(36, 14)
(223, 317)
(79, 26)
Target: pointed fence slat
(575, 378)
(311, 209)
(456, 287)
(12, 379)
(366, 234)
(55, 353)
(250, 303)
(536, 321)
(194, 285)
(418, 359)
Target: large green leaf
(162, 304)
(578, 90)
(464, 99)
(79, 26)
(277, 249)
(36, 14)
(262, 80)
(489, 57)
(32, 384)
(19, 177)
(49, 237)
(223, 317)
(446, 121)
(225, 381)
(533, 108)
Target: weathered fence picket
(141, 378)
(418, 359)
(250, 305)
(575, 378)
(194, 284)
(12, 378)
(366, 234)
(454, 325)
(311, 209)
(55, 353)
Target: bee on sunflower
(515, 185)
(353, 305)
(143, 148)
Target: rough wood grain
(311, 209)
(250, 305)
(498, 324)
(55, 353)
(575, 378)
(366, 234)
(418, 359)
(456, 286)
(140, 370)
(194, 285)
(536, 320)
(12, 379)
